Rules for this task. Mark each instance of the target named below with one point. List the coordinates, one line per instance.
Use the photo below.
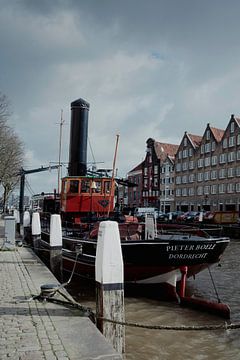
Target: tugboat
(151, 256)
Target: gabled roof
(217, 133)
(137, 168)
(195, 139)
(237, 120)
(163, 150)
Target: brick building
(207, 169)
(135, 193)
(158, 173)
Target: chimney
(78, 138)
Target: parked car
(161, 216)
(191, 216)
(173, 215)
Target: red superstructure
(83, 196)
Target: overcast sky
(148, 69)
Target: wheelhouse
(82, 196)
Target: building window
(208, 135)
(155, 169)
(213, 189)
(207, 147)
(178, 167)
(238, 139)
(178, 192)
(224, 143)
(231, 141)
(213, 145)
(221, 188)
(238, 171)
(178, 179)
(232, 127)
(237, 187)
(184, 192)
(230, 172)
(191, 178)
(145, 171)
(199, 190)
(184, 179)
(185, 141)
(185, 153)
(222, 173)
(191, 165)
(230, 188)
(185, 166)
(200, 163)
(207, 161)
(191, 191)
(213, 174)
(231, 156)
(238, 155)
(206, 189)
(200, 177)
(222, 159)
(214, 160)
(190, 152)
(207, 175)
(180, 155)
(202, 149)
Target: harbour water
(148, 344)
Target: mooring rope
(88, 312)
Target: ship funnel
(78, 138)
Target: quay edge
(22, 275)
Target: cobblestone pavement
(34, 330)
(27, 331)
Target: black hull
(145, 261)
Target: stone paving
(34, 330)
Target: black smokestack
(78, 138)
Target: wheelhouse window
(74, 186)
(107, 187)
(85, 186)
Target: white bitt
(26, 219)
(109, 262)
(150, 227)
(55, 230)
(36, 224)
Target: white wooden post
(109, 284)
(36, 231)
(17, 219)
(56, 245)
(26, 223)
(9, 232)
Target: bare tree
(11, 152)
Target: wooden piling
(56, 245)
(109, 285)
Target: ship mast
(60, 150)
(112, 187)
